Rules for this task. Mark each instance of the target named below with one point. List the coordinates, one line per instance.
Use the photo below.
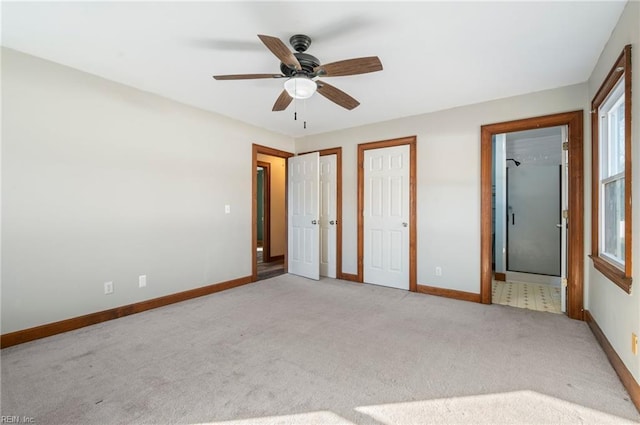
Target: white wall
(448, 178)
(617, 312)
(102, 182)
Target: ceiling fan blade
(247, 76)
(337, 96)
(281, 51)
(282, 102)
(349, 67)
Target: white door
(303, 216)
(386, 216)
(328, 215)
(563, 222)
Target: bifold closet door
(304, 216)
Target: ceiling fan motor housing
(307, 62)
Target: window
(612, 154)
(611, 170)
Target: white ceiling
(436, 55)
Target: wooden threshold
(449, 293)
(49, 329)
(625, 376)
(350, 277)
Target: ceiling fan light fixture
(300, 87)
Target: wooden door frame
(259, 149)
(338, 153)
(575, 240)
(362, 147)
(266, 231)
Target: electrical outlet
(438, 271)
(108, 288)
(227, 209)
(634, 343)
(142, 281)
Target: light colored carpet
(289, 350)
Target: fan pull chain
(295, 102)
(305, 113)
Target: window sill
(612, 273)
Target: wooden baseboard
(502, 277)
(25, 335)
(350, 277)
(449, 293)
(623, 373)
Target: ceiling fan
(302, 69)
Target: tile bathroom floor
(534, 296)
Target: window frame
(618, 273)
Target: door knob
(405, 224)
(559, 225)
(332, 222)
(314, 222)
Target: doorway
(263, 176)
(269, 265)
(387, 213)
(529, 230)
(575, 190)
(269, 206)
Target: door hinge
(565, 146)
(565, 214)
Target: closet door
(328, 215)
(304, 215)
(386, 216)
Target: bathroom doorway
(530, 194)
(573, 218)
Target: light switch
(227, 209)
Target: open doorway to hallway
(269, 240)
(270, 223)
